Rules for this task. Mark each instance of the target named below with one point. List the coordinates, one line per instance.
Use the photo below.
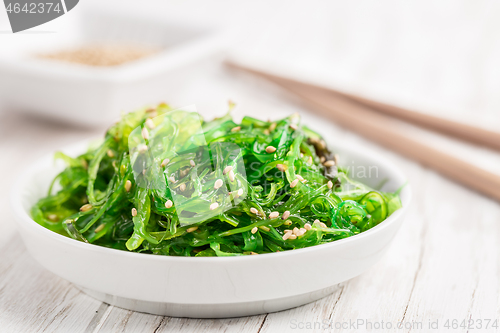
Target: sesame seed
(270, 149)
(254, 210)
(299, 177)
(86, 207)
(99, 228)
(236, 129)
(307, 226)
(110, 153)
(323, 225)
(143, 148)
(287, 222)
(192, 163)
(171, 179)
(274, 215)
(294, 183)
(286, 214)
(272, 127)
(240, 192)
(336, 158)
(165, 162)
(310, 160)
(134, 212)
(295, 231)
(288, 231)
(316, 221)
(329, 184)
(150, 123)
(281, 167)
(145, 133)
(302, 231)
(266, 131)
(263, 227)
(292, 236)
(52, 217)
(227, 169)
(144, 171)
(182, 187)
(214, 206)
(218, 183)
(322, 159)
(253, 253)
(286, 235)
(231, 175)
(191, 229)
(294, 127)
(128, 185)
(329, 163)
(168, 204)
(254, 230)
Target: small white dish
(86, 95)
(208, 287)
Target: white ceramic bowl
(209, 287)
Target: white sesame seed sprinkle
(329, 184)
(191, 229)
(307, 226)
(143, 148)
(286, 235)
(294, 127)
(322, 159)
(182, 187)
(295, 231)
(240, 192)
(86, 207)
(110, 153)
(274, 215)
(281, 167)
(227, 169)
(299, 177)
(165, 162)
(150, 123)
(270, 149)
(236, 129)
(254, 230)
(254, 210)
(231, 175)
(329, 163)
(214, 206)
(134, 212)
(192, 163)
(145, 133)
(302, 231)
(171, 179)
(128, 185)
(292, 236)
(169, 204)
(323, 225)
(294, 183)
(99, 228)
(286, 215)
(218, 184)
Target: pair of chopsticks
(373, 120)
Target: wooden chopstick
(459, 130)
(377, 127)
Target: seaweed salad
(166, 182)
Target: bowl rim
(25, 220)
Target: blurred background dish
(117, 63)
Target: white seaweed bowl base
(207, 287)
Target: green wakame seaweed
(99, 190)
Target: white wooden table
(444, 265)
